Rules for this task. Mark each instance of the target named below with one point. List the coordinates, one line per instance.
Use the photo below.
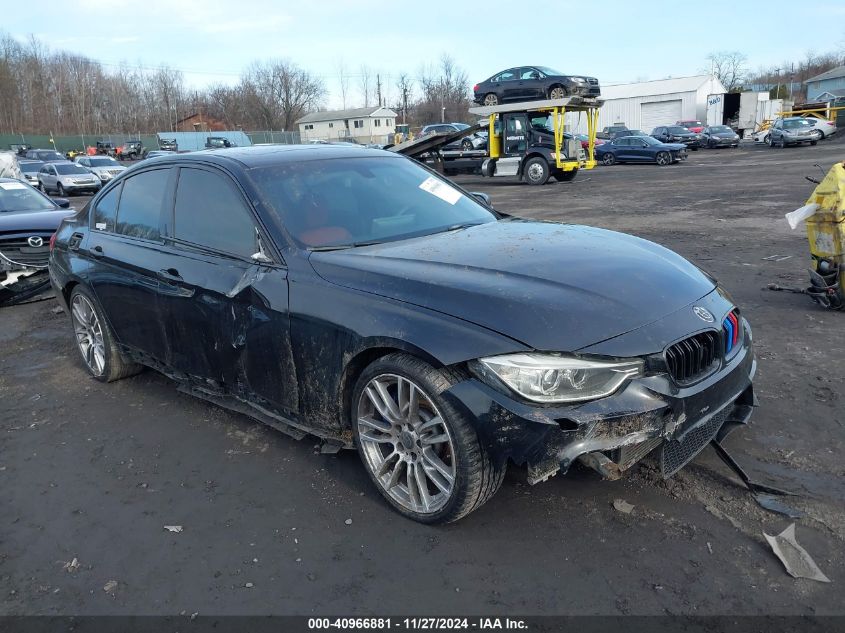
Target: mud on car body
(360, 297)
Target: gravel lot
(92, 472)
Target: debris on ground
(725, 517)
(71, 566)
(776, 258)
(57, 310)
(795, 558)
(709, 547)
(348, 521)
(623, 506)
(110, 586)
(249, 585)
(173, 528)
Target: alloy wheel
(818, 134)
(557, 93)
(406, 443)
(491, 100)
(608, 159)
(89, 334)
(663, 158)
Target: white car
(105, 167)
(822, 127)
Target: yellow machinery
(516, 146)
(826, 234)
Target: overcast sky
(212, 41)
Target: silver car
(29, 169)
(105, 167)
(67, 178)
(792, 131)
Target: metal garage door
(659, 113)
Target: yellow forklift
(527, 139)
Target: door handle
(97, 251)
(169, 274)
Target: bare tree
(729, 67)
(343, 77)
(406, 88)
(366, 81)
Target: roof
(833, 73)
(334, 115)
(662, 87)
(268, 155)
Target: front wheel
(536, 171)
(663, 158)
(421, 452)
(466, 146)
(818, 134)
(95, 341)
(558, 92)
(42, 187)
(608, 159)
(60, 190)
(813, 142)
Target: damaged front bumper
(613, 433)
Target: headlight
(579, 80)
(550, 378)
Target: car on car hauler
(356, 295)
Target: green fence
(66, 143)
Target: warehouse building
(648, 104)
(365, 125)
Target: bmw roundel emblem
(703, 314)
(35, 241)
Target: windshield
(548, 71)
(792, 124)
(66, 170)
(352, 202)
(103, 162)
(677, 129)
(49, 156)
(720, 128)
(31, 168)
(460, 126)
(16, 196)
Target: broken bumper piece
(613, 433)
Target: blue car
(640, 149)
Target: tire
(813, 142)
(768, 140)
(42, 188)
(819, 135)
(95, 341)
(565, 176)
(663, 159)
(60, 190)
(491, 99)
(558, 92)
(466, 146)
(608, 159)
(458, 472)
(536, 171)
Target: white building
(648, 104)
(365, 125)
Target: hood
(23, 221)
(550, 286)
(109, 169)
(671, 146)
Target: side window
(211, 212)
(139, 212)
(105, 213)
(508, 75)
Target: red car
(585, 141)
(692, 126)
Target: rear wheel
(663, 158)
(95, 341)
(421, 452)
(491, 100)
(466, 146)
(558, 92)
(536, 171)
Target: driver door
(516, 130)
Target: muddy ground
(92, 472)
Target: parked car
(168, 144)
(822, 128)
(466, 144)
(28, 219)
(218, 142)
(262, 272)
(692, 125)
(131, 150)
(155, 153)
(792, 131)
(527, 83)
(719, 136)
(104, 167)
(638, 149)
(627, 132)
(585, 140)
(676, 134)
(610, 131)
(30, 169)
(45, 155)
(105, 148)
(67, 178)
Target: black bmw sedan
(528, 83)
(356, 296)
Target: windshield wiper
(337, 247)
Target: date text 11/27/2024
(417, 624)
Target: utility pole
(378, 88)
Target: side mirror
(483, 198)
(63, 203)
